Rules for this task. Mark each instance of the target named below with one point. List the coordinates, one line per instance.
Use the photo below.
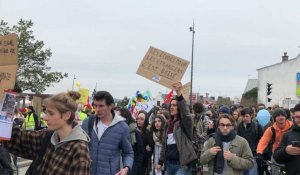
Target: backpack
(45, 142)
(267, 153)
(274, 136)
(196, 140)
(91, 122)
(255, 127)
(196, 120)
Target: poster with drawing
(7, 107)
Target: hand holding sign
(177, 87)
(6, 114)
(8, 70)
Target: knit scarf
(220, 138)
(156, 139)
(171, 126)
(132, 129)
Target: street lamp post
(192, 29)
(73, 82)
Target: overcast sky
(103, 42)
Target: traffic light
(269, 88)
(269, 99)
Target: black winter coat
(291, 162)
(251, 133)
(138, 149)
(5, 162)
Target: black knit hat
(278, 112)
(225, 109)
(31, 108)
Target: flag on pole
(88, 104)
(169, 97)
(94, 93)
(140, 102)
(84, 93)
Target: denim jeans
(253, 170)
(173, 168)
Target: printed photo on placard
(7, 107)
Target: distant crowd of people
(171, 139)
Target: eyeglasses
(222, 125)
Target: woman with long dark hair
(143, 124)
(177, 152)
(158, 126)
(136, 140)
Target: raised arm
(25, 143)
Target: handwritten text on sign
(8, 50)
(7, 76)
(4, 76)
(162, 67)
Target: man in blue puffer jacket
(109, 138)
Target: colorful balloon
(263, 117)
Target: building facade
(283, 80)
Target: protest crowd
(171, 139)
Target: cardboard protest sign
(37, 104)
(7, 78)
(8, 62)
(9, 49)
(186, 90)
(7, 108)
(162, 67)
(84, 94)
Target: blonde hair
(65, 102)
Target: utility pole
(192, 29)
(73, 82)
